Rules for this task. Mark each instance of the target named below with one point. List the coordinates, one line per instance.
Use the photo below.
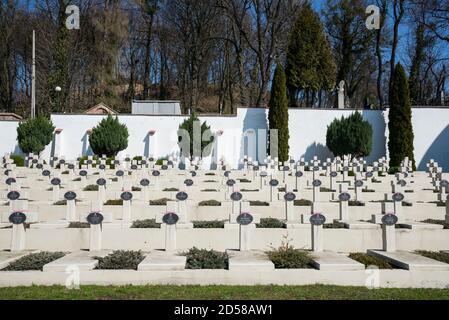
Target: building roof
(101, 108)
(9, 116)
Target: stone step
(409, 261)
(419, 225)
(163, 261)
(83, 260)
(253, 260)
(331, 261)
(359, 225)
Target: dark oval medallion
(170, 218)
(95, 218)
(181, 196)
(236, 196)
(245, 219)
(70, 195)
(317, 219)
(126, 196)
(17, 218)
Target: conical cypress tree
(278, 112)
(400, 143)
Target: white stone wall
(307, 134)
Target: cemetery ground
(313, 292)
(142, 228)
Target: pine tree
(109, 137)
(400, 143)
(278, 112)
(310, 64)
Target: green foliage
(271, 223)
(201, 135)
(159, 202)
(400, 142)
(206, 259)
(109, 137)
(287, 257)
(209, 203)
(350, 136)
(310, 63)
(278, 112)
(367, 260)
(439, 256)
(18, 160)
(257, 203)
(208, 224)
(356, 203)
(34, 261)
(91, 187)
(78, 225)
(160, 161)
(170, 190)
(146, 224)
(334, 225)
(120, 260)
(35, 134)
(303, 203)
(114, 202)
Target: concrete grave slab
(419, 225)
(80, 259)
(409, 261)
(163, 261)
(331, 261)
(358, 225)
(253, 260)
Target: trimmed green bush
(271, 223)
(287, 257)
(216, 224)
(367, 260)
(146, 224)
(400, 142)
(109, 137)
(35, 134)
(350, 136)
(115, 202)
(159, 202)
(206, 146)
(18, 160)
(278, 112)
(171, 189)
(334, 225)
(120, 260)
(34, 261)
(206, 259)
(209, 203)
(257, 203)
(91, 187)
(355, 203)
(303, 203)
(79, 225)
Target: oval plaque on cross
(334, 174)
(188, 182)
(101, 182)
(236, 196)
(164, 167)
(102, 167)
(245, 219)
(10, 181)
(298, 174)
(83, 173)
(398, 197)
(358, 183)
(55, 181)
(17, 218)
(46, 173)
(316, 183)
(182, 196)
(170, 218)
(13, 195)
(95, 218)
(289, 196)
(126, 196)
(193, 173)
(120, 173)
(263, 174)
(274, 182)
(144, 182)
(389, 219)
(317, 219)
(39, 166)
(230, 182)
(344, 196)
(134, 167)
(70, 195)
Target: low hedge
(367, 260)
(159, 202)
(91, 187)
(439, 256)
(79, 225)
(209, 203)
(34, 261)
(271, 223)
(440, 222)
(170, 190)
(120, 260)
(146, 224)
(303, 203)
(216, 224)
(18, 160)
(287, 257)
(206, 259)
(257, 203)
(115, 202)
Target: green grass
(312, 292)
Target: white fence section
(243, 134)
